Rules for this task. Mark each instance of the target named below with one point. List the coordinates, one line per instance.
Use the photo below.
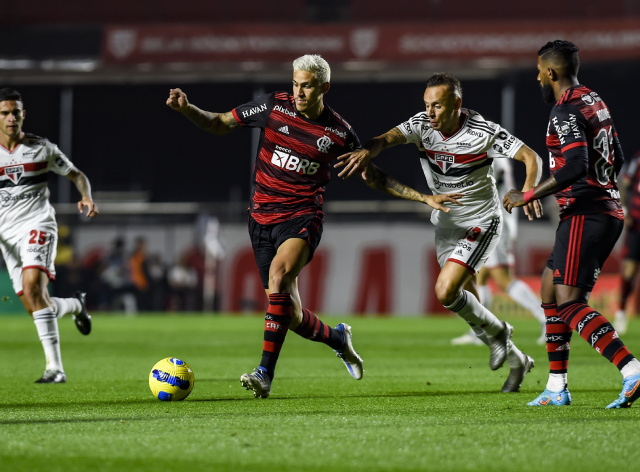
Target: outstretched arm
(216, 123)
(533, 164)
(358, 160)
(84, 187)
(382, 182)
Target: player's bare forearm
(383, 182)
(515, 198)
(216, 123)
(358, 160)
(533, 165)
(81, 182)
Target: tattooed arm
(84, 187)
(358, 160)
(216, 123)
(382, 182)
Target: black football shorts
(583, 243)
(266, 239)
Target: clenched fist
(178, 100)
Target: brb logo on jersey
(281, 158)
(444, 161)
(14, 173)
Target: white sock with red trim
(47, 326)
(485, 296)
(63, 306)
(472, 311)
(522, 294)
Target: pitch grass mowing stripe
(422, 404)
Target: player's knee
(446, 292)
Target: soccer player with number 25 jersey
(29, 232)
(584, 156)
(300, 137)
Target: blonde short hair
(314, 64)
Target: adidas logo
(284, 129)
(557, 273)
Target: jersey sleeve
(58, 162)
(412, 128)
(254, 114)
(570, 125)
(503, 144)
(352, 141)
(618, 155)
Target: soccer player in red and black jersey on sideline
(585, 157)
(629, 193)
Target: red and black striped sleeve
(570, 125)
(255, 114)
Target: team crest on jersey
(14, 173)
(444, 161)
(324, 143)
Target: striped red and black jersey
(292, 165)
(632, 176)
(584, 154)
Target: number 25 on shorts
(40, 235)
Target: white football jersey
(462, 163)
(24, 194)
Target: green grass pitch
(422, 404)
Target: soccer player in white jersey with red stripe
(28, 229)
(458, 146)
(502, 259)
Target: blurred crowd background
(95, 77)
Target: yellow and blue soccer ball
(171, 380)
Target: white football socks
(485, 296)
(47, 326)
(515, 358)
(522, 294)
(472, 311)
(62, 306)
(557, 382)
(632, 368)
(479, 333)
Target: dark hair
(444, 78)
(10, 94)
(564, 52)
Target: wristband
(528, 196)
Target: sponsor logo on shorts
(596, 274)
(6, 199)
(38, 249)
(464, 245)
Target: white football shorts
(469, 247)
(30, 245)
(503, 255)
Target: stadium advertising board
(598, 40)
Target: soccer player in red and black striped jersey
(629, 192)
(584, 156)
(300, 136)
